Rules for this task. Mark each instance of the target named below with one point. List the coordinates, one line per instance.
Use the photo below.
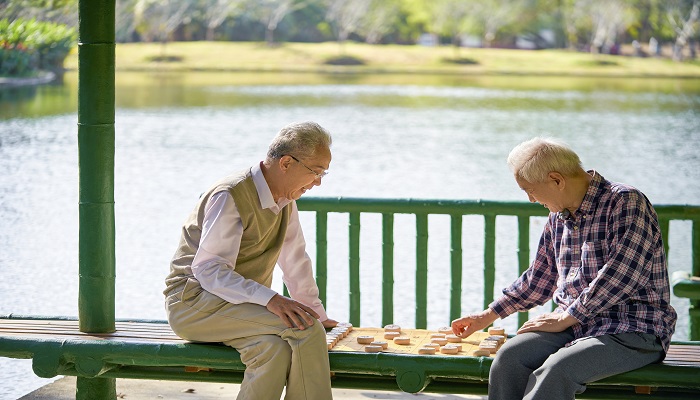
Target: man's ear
(558, 179)
(284, 163)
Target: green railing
(455, 209)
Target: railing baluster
(696, 247)
(354, 260)
(456, 266)
(523, 255)
(421, 270)
(322, 255)
(664, 225)
(694, 309)
(387, 268)
(489, 257)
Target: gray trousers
(536, 365)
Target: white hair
(299, 139)
(534, 159)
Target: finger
(308, 320)
(309, 311)
(286, 320)
(302, 316)
(297, 319)
(468, 331)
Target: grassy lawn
(313, 57)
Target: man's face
(305, 173)
(548, 193)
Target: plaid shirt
(605, 265)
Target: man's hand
(291, 312)
(329, 323)
(465, 326)
(550, 322)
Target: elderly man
(602, 261)
(219, 290)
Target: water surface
(437, 137)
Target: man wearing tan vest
(219, 290)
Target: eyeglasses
(318, 176)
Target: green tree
(382, 17)
(271, 12)
(683, 17)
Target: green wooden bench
(150, 350)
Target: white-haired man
(218, 289)
(602, 261)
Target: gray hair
(299, 139)
(534, 159)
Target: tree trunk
(270, 36)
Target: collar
(595, 190)
(264, 193)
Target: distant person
(602, 261)
(219, 290)
(638, 52)
(654, 47)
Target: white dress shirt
(214, 264)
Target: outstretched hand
(550, 322)
(291, 312)
(465, 326)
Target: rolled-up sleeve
(534, 286)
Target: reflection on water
(394, 136)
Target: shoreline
(43, 78)
(335, 70)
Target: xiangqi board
(417, 339)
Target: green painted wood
(97, 268)
(387, 269)
(322, 255)
(464, 207)
(455, 266)
(694, 310)
(454, 208)
(664, 225)
(354, 260)
(421, 270)
(523, 256)
(489, 258)
(96, 244)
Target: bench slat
(679, 354)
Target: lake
(394, 136)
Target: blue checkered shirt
(605, 265)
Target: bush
(344, 60)
(29, 45)
(16, 61)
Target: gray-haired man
(219, 290)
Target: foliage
(585, 25)
(30, 45)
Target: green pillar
(96, 163)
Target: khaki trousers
(274, 355)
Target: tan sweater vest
(261, 243)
